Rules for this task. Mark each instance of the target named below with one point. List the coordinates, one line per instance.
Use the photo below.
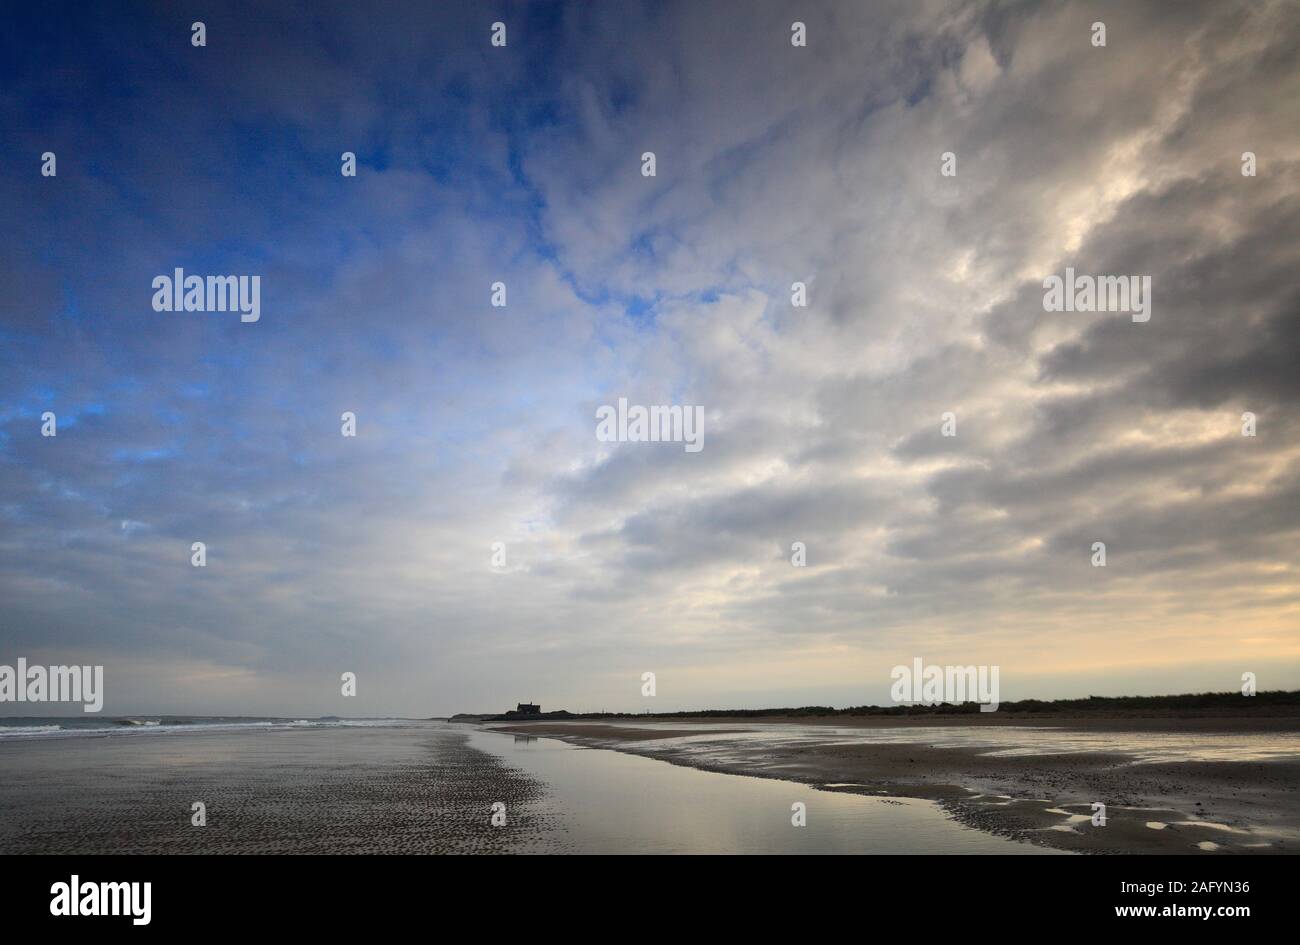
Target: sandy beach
(410, 789)
(1232, 788)
(423, 787)
(411, 786)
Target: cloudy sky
(476, 424)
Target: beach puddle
(612, 802)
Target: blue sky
(476, 424)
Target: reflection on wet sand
(612, 802)
(1215, 791)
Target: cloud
(476, 423)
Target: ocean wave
(146, 727)
(28, 729)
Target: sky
(476, 424)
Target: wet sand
(1197, 806)
(622, 802)
(426, 787)
(407, 790)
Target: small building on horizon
(528, 708)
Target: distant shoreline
(1220, 706)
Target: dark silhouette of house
(527, 708)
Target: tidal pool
(610, 802)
